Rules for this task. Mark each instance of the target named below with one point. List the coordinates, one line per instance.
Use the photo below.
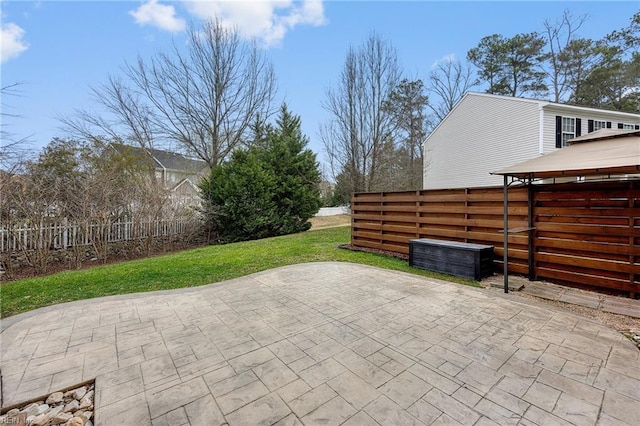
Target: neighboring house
(484, 133)
(178, 173)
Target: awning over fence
(584, 157)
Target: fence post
(505, 258)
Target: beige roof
(604, 134)
(618, 154)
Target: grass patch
(192, 268)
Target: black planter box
(449, 257)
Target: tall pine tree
(271, 189)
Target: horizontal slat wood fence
(585, 233)
(388, 220)
(588, 233)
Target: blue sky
(58, 49)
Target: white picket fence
(64, 234)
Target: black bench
(449, 257)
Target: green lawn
(192, 268)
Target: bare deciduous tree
(360, 130)
(448, 81)
(559, 36)
(204, 99)
(12, 147)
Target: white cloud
(450, 58)
(266, 20)
(159, 15)
(12, 43)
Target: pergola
(603, 154)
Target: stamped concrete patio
(325, 343)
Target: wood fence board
(586, 262)
(587, 230)
(582, 231)
(582, 278)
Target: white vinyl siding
(483, 134)
(584, 114)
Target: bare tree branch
(360, 131)
(448, 82)
(204, 99)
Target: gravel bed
(71, 408)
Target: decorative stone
(72, 406)
(32, 410)
(81, 415)
(55, 398)
(55, 410)
(61, 418)
(85, 404)
(89, 395)
(41, 420)
(79, 393)
(76, 421)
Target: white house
(484, 133)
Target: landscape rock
(73, 406)
(61, 418)
(89, 395)
(41, 420)
(82, 415)
(55, 398)
(86, 403)
(79, 393)
(56, 410)
(75, 421)
(31, 410)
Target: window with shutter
(590, 126)
(568, 130)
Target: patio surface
(325, 343)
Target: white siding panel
(482, 135)
(550, 112)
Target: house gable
(477, 134)
(485, 132)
